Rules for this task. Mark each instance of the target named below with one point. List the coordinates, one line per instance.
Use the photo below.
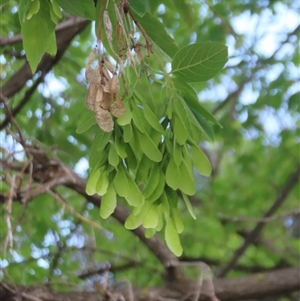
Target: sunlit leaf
(152, 120)
(79, 8)
(138, 119)
(138, 6)
(172, 238)
(121, 182)
(108, 202)
(188, 205)
(149, 148)
(200, 61)
(201, 162)
(134, 197)
(113, 158)
(177, 220)
(36, 44)
(173, 176)
(102, 183)
(125, 118)
(180, 131)
(187, 181)
(156, 31)
(159, 189)
(92, 182)
(151, 217)
(133, 221)
(152, 181)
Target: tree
(169, 134)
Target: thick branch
(281, 197)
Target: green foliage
(199, 62)
(157, 160)
(37, 24)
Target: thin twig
(9, 237)
(73, 211)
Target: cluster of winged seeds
(102, 96)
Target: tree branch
(256, 286)
(281, 197)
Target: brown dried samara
(103, 93)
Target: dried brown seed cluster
(102, 96)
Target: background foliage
(255, 98)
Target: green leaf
(152, 120)
(133, 221)
(191, 99)
(159, 189)
(205, 125)
(142, 209)
(126, 117)
(188, 205)
(143, 169)
(177, 153)
(151, 217)
(157, 33)
(134, 197)
(138, 119)
(200, 61)
(137, 216)
(150, 232)
(33, 9)
(120, 148)
(97, 159)
(173, 176)
(23, 10)
(152, 181)
(92, 182)
(52, 47)
(172, 238)
(160, 212)
(187, 182)
(177, 220)
(201, 162)
(95, 154)
(38, 35)
(165, 205)
(56, 9)
(113, 158)
(121, 182)
(84, 9)
(180, 130)
(131, 159)
(87, 121)
(105, 137)
(138, 6)
(108, 202)
(149, 148)
(54, 17)
(127, 132)
(102, 183)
